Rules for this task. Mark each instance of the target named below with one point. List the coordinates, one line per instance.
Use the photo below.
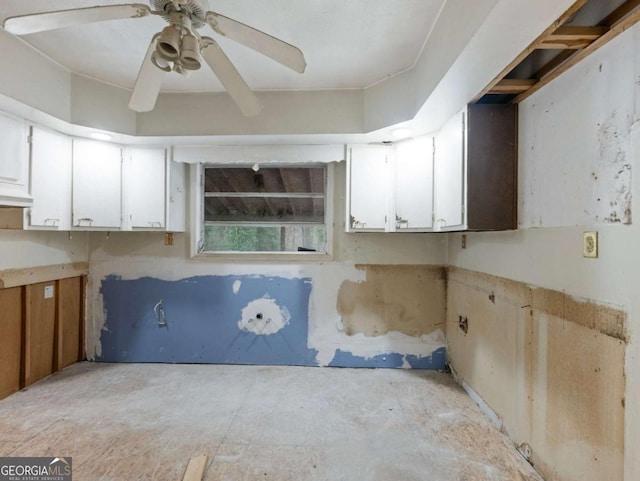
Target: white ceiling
(347, 43)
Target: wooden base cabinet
(41, 331)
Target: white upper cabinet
(145, 180)
(154, 191)
(390, 188)
(414, 185)
(14, 162)
(368, 187)
(50, 180)
(97, 185)
(450, 176)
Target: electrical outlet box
(590, 245)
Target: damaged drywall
(270, 319)
(576, 144)
(207, 319)
(550, 365)
(406, 299)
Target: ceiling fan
(179, 47)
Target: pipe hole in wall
(463, 324)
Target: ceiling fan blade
(234, 84)
(276, 49)
(147, 87)
(40, 22)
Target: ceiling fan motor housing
(195, 9)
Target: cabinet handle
(155, 224)
(84, 219)
(54, 222)
(356, 224)
(401, 223)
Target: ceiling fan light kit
(179, 47)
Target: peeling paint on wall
(406, 299)
(437, 360)
(255, 319)
(264, 316)
(553, 370)
(575, 149)
(614, 170)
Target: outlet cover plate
(590, 245)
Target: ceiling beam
(512, 86)
(569, 37)
(615, 30)
(526, 52)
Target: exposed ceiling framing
(556, 50)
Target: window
(264, 210)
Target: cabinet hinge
(29, 139)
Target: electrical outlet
(48, 292)
(590, 245)
(464, 241)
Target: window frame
(196, 177)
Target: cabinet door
(97, 184)
(14, 162)
(368, 183)
(145, 171)
(414, 185)
(449, 175)
(50, 180)
(177, 206)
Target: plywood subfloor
(144, 422)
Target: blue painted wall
(436, 361)
(202, 315)
(202, 321)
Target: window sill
(290, 257)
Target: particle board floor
(144, 422)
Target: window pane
(264, 239)
(267, 179)
(263, 209)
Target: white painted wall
(102, 106)
(562, 141)
(31, 78)
(303, 112)
(24, 249)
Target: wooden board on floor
(70, 318)
(195, 468)
(10, 336)
(40, 332)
